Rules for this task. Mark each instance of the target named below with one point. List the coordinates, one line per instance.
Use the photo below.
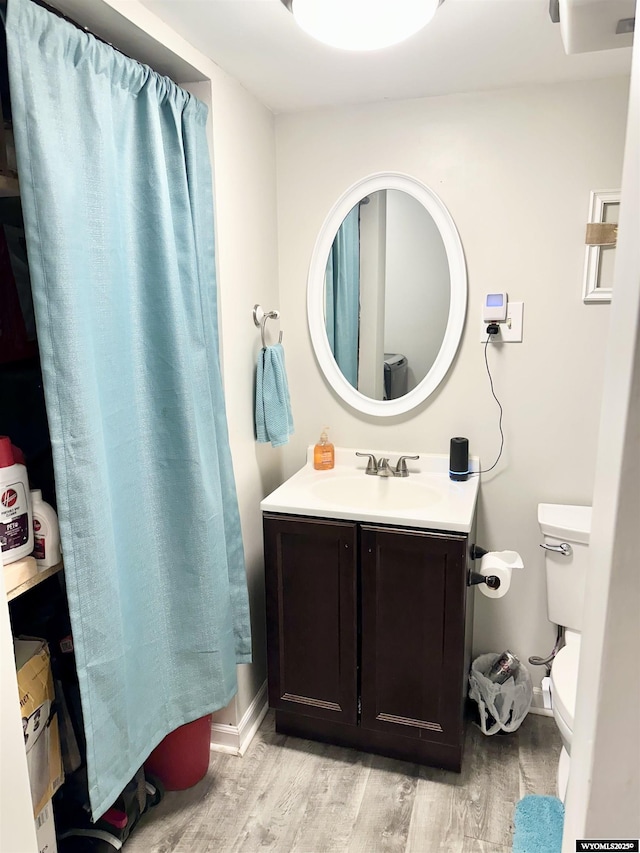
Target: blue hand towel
(274, 422)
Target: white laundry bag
(501, 706)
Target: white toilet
(566, 541)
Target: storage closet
(23, 606)
(36, 600)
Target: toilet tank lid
(565, 522)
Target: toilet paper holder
(492, 581)
(476, 552)
(474, 578)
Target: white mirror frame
(315, 293)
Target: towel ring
(260, 318)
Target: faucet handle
(401, 466)
(372, 466)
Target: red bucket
(182, 758)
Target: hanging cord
(486, 361)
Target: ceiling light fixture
(362, 24)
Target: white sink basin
(376, 493)
(426, 499)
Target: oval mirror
(387, 294)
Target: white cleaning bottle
(46, 532)
(16, 520)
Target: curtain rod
(78, 26)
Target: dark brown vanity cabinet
(312, 625)
(368, 635)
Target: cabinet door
(413, 615)
(311, 588)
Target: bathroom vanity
(368, 609)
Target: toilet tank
(566, 575)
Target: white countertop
(427, 499)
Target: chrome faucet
(384, 470)
(382, 467)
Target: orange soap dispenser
(323, 453)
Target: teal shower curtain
(342, 296)
(116, 192)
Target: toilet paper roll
(492, 564)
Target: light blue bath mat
(538, 825)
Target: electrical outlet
(511, 329)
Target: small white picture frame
(604, 206)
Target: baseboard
(252, 718)
(537, 704)
(235, 740)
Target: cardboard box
(18, 572)
(46, 830)
(39, 720)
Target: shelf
(9, 186)
(34, 580)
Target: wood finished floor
(289, 795)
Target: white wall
(243, 147)
(245, 197)
(417, 285)
(514, 169)
(603, 798)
